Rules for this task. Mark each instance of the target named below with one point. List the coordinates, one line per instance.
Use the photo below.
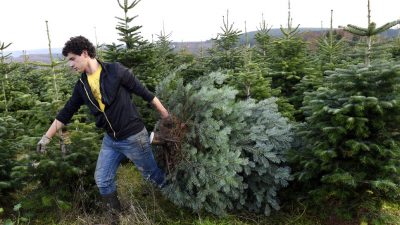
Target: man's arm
(160, 108)
(45, 140)
(63, 117)
(55, 126)
(133, 85)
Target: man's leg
(138, 149)
(106, 169)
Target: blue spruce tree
(222, 154)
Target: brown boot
(112, 207)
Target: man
(106, 89)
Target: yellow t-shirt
(94, 83)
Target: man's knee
(102, 181)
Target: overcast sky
(23, 21)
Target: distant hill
(37, 52)
(37, 55)
(41, 55)
(308, 34)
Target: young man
(106, 89)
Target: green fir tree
(10, 132)
(350, 144)
(130, 36)
(370, 33)
(395, 50)
(330, 49)
(289, 64)
(263, 42)
(349, 155)
(232, 153)
(226, 52)
(249, 80)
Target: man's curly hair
(77, 45)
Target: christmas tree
(222, 154)
(350, 143)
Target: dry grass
(144, 205)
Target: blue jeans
(136, 148)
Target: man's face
(78, 63)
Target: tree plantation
(277, 130)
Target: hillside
(309, 34)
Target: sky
(23, 24)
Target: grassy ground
(153, 208)
(145, 205)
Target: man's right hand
(41, 145)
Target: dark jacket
(120, 118)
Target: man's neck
(93, 65)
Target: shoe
(112, 207)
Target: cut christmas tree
(221, 154)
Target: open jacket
(120, 118)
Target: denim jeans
(136, 148)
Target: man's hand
(165, 115)
(41, 145)
(167, 121)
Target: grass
(144, 205)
